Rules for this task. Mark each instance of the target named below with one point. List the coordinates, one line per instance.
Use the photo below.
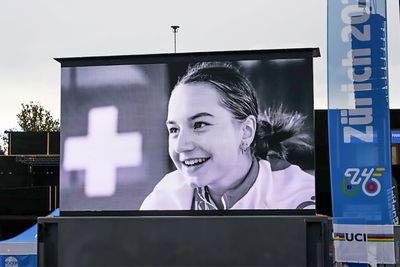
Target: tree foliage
(33, 117)
(4, 141)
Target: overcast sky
(33, 32)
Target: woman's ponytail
(279, 132)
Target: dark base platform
(184, 241)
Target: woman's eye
(199, 125)
(173, 130)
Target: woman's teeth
(193, 162)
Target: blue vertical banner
(359, 131)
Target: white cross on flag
(113, 138)
(86, 153)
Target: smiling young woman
(227, 154)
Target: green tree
(4, 141)
(33, 117)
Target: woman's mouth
(194, 162)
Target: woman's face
(204, 137)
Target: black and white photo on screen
(188, 136)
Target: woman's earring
(243, 147)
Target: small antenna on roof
(175, 30)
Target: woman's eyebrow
(170, 122)
(196, 116)
(201, 114)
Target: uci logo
(365, 178)
(359, 237)
(11, 262)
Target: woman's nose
(184, 142)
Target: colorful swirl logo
(366, 177)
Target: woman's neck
(240, 172)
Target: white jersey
(289, 188)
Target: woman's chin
(194, 182)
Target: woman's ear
(249, 127)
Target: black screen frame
(293, 53)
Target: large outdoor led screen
(193, 132)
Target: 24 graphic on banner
(367, 177)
